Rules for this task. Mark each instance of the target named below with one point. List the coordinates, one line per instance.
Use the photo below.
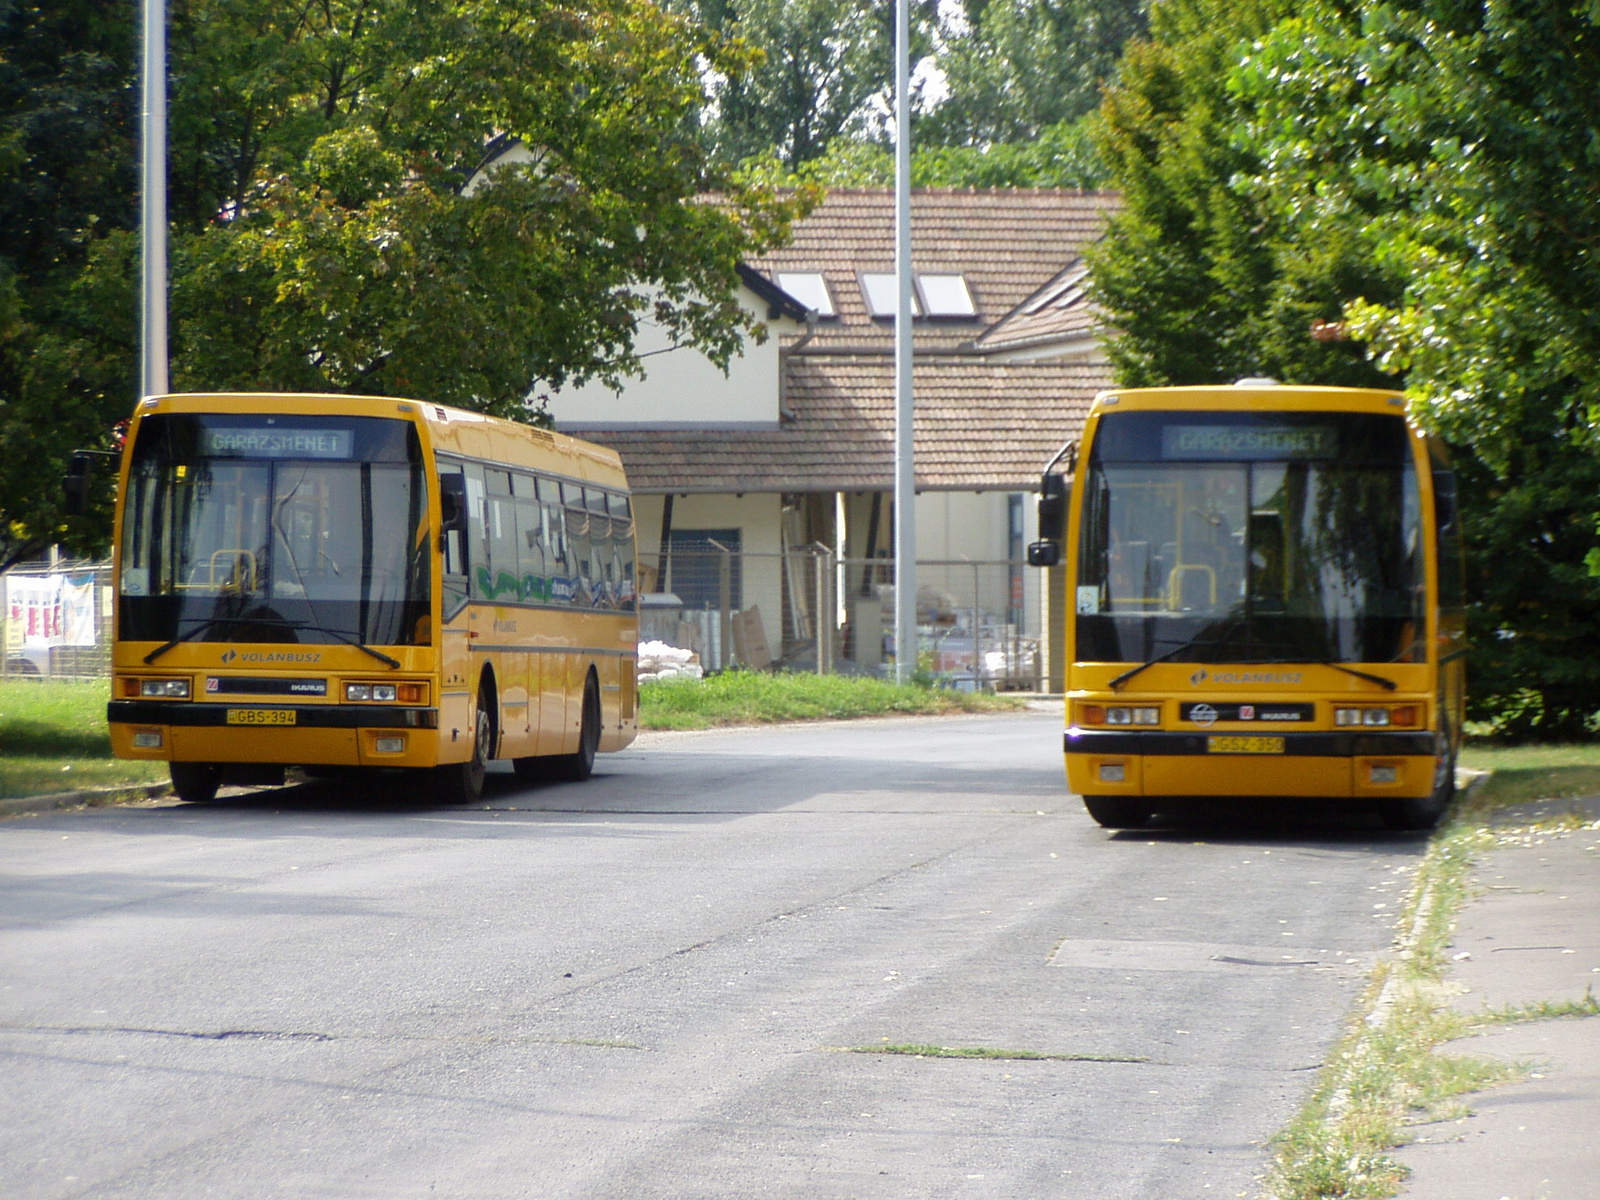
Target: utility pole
(905, 474)
(153, 204)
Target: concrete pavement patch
(1530, 935)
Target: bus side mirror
(1054, 493)
(75, 484)
(452, 503)
(1044, 554)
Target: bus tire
(578, 766)
(462, 783)
(1119, 812)
(196, 782)
(1419, 813)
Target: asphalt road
(671, 981)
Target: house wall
(682, 388)
(758, 519)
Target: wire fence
(808, 610)
(802, 609)
(56, 621)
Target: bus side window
(533, 584)
(577, 523)
(453, 539)
(482, 568)
(1447, 518)
(623, 549)
(554, 531)
(500, 532)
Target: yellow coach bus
(1264, 598)
(352, 582)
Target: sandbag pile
(657, 660)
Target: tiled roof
(1007, 242)
(1059, 311)
(980, 426)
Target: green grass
(1389, 1072)
(754, 698)
(53, 738)
(1525, 773)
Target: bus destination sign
(1247, 442)
(266, 441)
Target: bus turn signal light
(1405, 714)
(1100, 714)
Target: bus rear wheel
(1119, 812)
(578, 766)
(196, 782)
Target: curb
(19, 806)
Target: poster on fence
(49, 610)
(33, 607)
(77, 610)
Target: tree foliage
(325, 236)
(1061, 156)
(1016, 68)
(1413, 181)
(824, 71)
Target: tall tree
(325, 236)
(1197, 272)
(1014, 68)
(1456, 144)
(824, 70)
(66, 182)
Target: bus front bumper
(1310, 764)
(303, 735)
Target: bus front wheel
(196, 782)
(1119, 812)
(462, 783)
(1423, 812)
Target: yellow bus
(1264, 598)
(336, 582)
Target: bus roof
(1252, 395)
(451, 430)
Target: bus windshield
(275, 528)
(1250, 537)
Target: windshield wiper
(1117, 683)
(279, 622)
(1387, 684)
(350, 640)
(207, 622)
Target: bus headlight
(1347, 716)
(383, 691)
(358, 691)
(166, 688)
(1375, 716)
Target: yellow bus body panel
(1428, 685)
(539, 656)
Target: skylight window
(1064, 292)
(808, 287)
(881, 292)
(946, 296)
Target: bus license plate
(261, 716)
(1244, 745)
